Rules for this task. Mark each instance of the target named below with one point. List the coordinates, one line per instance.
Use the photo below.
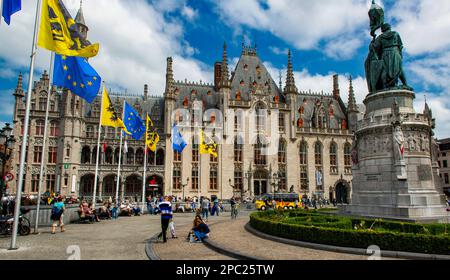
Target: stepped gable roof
(249, 70)
(196, 92)
(312, 102)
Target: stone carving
(384, 64)
(399, 141)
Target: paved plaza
(130, 238)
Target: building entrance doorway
(260, 187)
(261, 182)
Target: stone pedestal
(386, 183)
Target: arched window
(160, 157)
(261, 120)
(40, 125)
(90, 131)
(140, 156)
(54, 129)
(260, 154)
(195, 177)
(109, 155)
(117, 156)
(195, 150)
(86, 155)
(150, 157)
(130, 156)
(213, 177)
(238, 177)
(333, 158)
(110, 132)
(321, 119)
(238, 150)
(52, 106)
(176, 156)
(319, 168)
(304, 183)
(177, 177)
(282, 152)
(318, 153)
(94, 155)
(43, 103)
(348, 158)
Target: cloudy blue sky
(326, 37)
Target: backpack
(56, 213)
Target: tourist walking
(58, 215)
(205, 208)
(215, 208)
(165, 208)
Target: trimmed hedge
(390, 236)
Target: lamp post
(184, 185)
(248, 176)
(7, 140)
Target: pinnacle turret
(290, 80)
(19, 88)
(169, 76)
(224, 80)
(352, 106)
(80, 16)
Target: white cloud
(316, 83)
(189, 13)
(423, 24)
(305, 24)
(135, 40)
(440, 106)
(6, 105)
(278, 51)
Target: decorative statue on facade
(384, 64)
(399, 142)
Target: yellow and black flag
(207, 145)
(59, 33)
(151, 136)
(109, 115)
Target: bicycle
(234, 211)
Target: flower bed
(315, 227)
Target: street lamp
(248, 176)
(184, 185)
(7, 140)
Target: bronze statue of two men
(384, 64)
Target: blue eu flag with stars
(75, 74)
(133, 123)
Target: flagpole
(98, 148)
(120, 158)
(144, 180)
(44, 143)
(25, 131)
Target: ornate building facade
(270, 138)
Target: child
(172, 229)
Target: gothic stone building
(309, 136)
(312, 156)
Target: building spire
(290, 80)
(169, 76)
(19, 87)
(352, 107)
(80, 16)
(225, 81)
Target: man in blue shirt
(165, 208)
